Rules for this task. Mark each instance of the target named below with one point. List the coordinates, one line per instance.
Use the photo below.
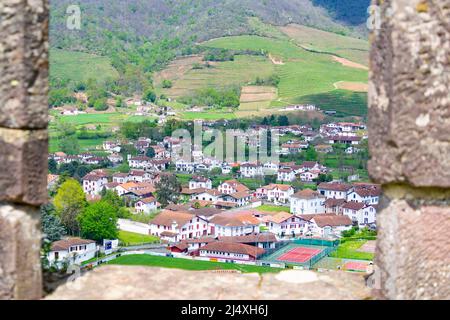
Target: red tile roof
(232, 247)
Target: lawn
(79, 66)
(269, 208)
(185, 264)
(130, 238)
(348, 250)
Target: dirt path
(275, 61)
(350, 64)
(352, 86)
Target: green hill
(79, 66)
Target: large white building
(200, 182)
(285, 224)
(238, 223)
(276, 193)
(176, 226)
(307, 201)
(93, 184)
(334, 190)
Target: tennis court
(356, 266)
(299, 254)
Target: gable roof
(233, 247)
(167, 218)
(251, 238)
(65, 244)
(353, 205)
(334, 186)
(307, 194)
(282, 187)
(235, 219)
(332, 220)
(237, 185)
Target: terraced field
(356, 50)
(186, 79)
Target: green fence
(317, 242)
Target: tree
(167, 84)
(283, 121)
(168, 190)
(69, 145)
(150, 152)
(116, 202)
(311, 154)
(69, 202)
(149, 95)
(98, 221)
(52, 166)
(52, 227)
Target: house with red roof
(307, 201)
(277, 193)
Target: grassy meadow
(79, 66)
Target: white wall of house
(76, 254)
(229, 231)
(224, 255)
(307, 206)
(143, 207)
(92, 187)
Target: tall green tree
(168, 190)
(52, 227)
(98, 221)
(69, 202)
(116, 202)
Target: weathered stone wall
(23, 144)
(409, 129)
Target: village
(224, 220)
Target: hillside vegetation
(79, 66)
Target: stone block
(24, 64)
(413, 251)
(23, 166)
(147, 283)
(20, 269)
(409, 99)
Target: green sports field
(185, 264)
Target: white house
(176, 226)
(146, 205)
(367, 193)
(206, 195)
(120, 178)
(184, 166)
(286, 175)
(360, 212)
(232, 186)
(285, 224)
(307, 201)
(334, 190)
(93, 183)
(251, 170)
(71, 251)
(239, 198)
(237, 223)
(277, 193)
(200, 182)
(328, 225)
